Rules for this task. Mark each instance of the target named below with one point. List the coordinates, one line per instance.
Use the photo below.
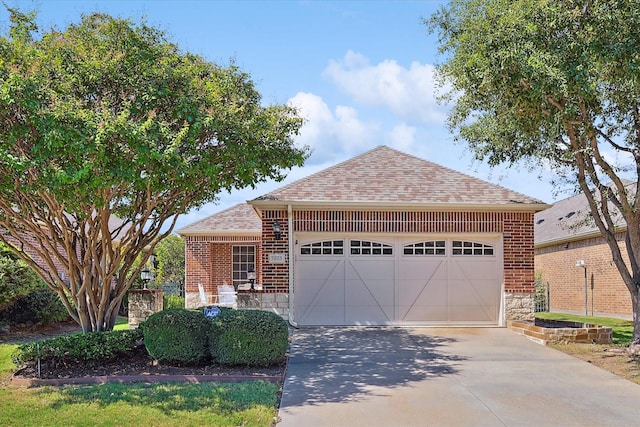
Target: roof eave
(573, 238)
(210, 232)
(369, 205)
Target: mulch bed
(136, 366)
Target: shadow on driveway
(344, 364)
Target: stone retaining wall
(588, 334)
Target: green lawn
(622, 330)
(208, 404)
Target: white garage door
(378, 280)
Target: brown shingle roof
(568, 220)
(385, 176)
(240, 219)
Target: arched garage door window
(366, 247)
(327, 247)
(434, 247)
(460, 247)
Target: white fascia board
(368, 205)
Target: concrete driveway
(445, 377)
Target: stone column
(142, 304)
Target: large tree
(557, 82)
(107, 119)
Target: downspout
(291, 263)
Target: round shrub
(177, 336)
(248, 337)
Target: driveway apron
(352, 376)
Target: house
(384, 238)
(575, 262)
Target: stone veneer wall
(275, 302)
(142, 304)
(519, 306)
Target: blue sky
(360, 72)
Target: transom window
(460, 247)
(328, 247)
(364, 247)
(436, 247)
(244, 259)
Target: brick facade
(557, 266)
(208, 261)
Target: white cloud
(409, 93)
(403, 137)
(333, 135)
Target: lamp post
(146, 276)
(583, 264)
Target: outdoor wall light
(277, 230)
(583, 264)
(251, 277)
(146, 276)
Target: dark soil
(137, 363)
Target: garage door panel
(372, 314)
(420, 314)
(370, 291)
(473, 314)
(321, 315)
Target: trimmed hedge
(90, 348)
(248, 337)
(177, 336)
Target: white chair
(227, 296)
(205, 299)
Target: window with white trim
(327, 247)
(434, 247)
(365, 247)
(244, 259)
(460, 247)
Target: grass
(622, 330)
(233, 404)
(252, 403)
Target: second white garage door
(381, 280)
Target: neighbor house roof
(240, 219)
(567, 220)
(387, 177)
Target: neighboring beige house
(564, 238)
(385, 238)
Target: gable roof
(385, 177)
(240, 219)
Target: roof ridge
(322, 171)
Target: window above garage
(365, 247)
(327, 247)
(460, 247)
(435, 247)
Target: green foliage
(170, 257)
(248, 337)
(91, 348)
(177, 336)
(17, 279)
(172, 301)
(40, 306)
(107, 118)
(555, 84)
